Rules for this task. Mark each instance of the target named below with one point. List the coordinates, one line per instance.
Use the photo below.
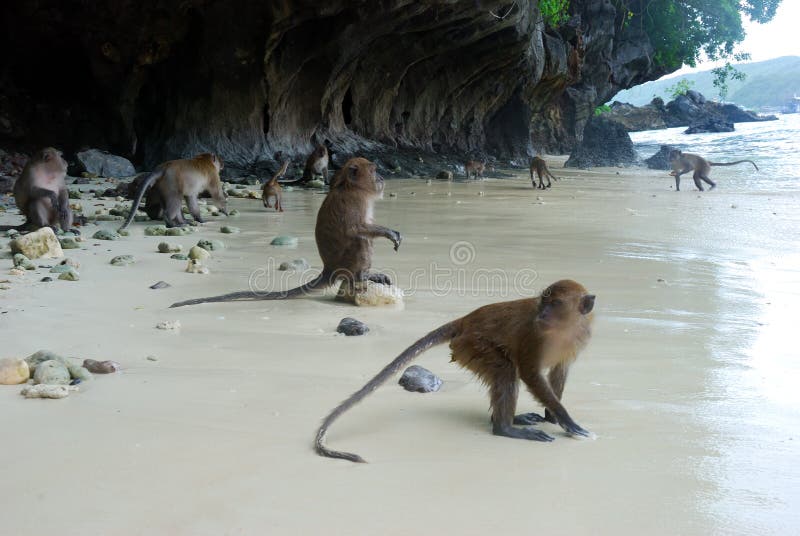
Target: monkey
(317, 164)
(41, 191)
(177, 179)
(684, 162)
(540, 167)
(272, 188)
(344, 234)
(532, 339)
(473, 166)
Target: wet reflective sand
(690, 381)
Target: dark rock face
(104, 164)
(636, 118)
(605, 143)
(660, 160)
(420, 380)
(711, 124)
(153, 81)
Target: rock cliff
(158, 79)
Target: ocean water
(773, 145)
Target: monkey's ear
(587, 304)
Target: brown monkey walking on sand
(539, 166)
(474, 167)
(502, 343)
(344, 235)
(183, 179)
(41, 191)
(684, 162)
(272, 189)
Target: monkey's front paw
(528, 419)
(574, 430)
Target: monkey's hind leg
(194, 208)
(503, 392)
(697, 182)
(709, 182)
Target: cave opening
(347, 107)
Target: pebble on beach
(297, 265)
(196, 267)
(228, 229)
(41, 243)
(160, 285)
(211, 245)
(165, 247)
(420, 380)
(284, 241)
(198, 253)
(14, 371)
(105, 234)
(46, 391)
(101, 367)
(23, 262)
(352, 327)
(169, 325)
(123, 260)
(52, 372)
(70, 275)
(379, 294)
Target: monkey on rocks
(41, 192)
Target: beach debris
(23, 262)
(296, 265)
(101, 367)
(284, 241)
(46, 391)
(420, 380)
(198, 253)
(196, 267)
(211, 245)
(160, 285)
(352, 327)
(123, 260)
(14, 371)
(16, 271)
(169, 325)
(228, 229)
(165, 247)
(41, 243)
(105, 234)
(379, 294)
(52, 371)
(179, 257)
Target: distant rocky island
(691, 109)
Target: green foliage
(600, 110)
(554, 12)
(683, 31)
(680, 88)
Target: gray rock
(70, 275)
(228, 229)
(21, 261)
(165, 247)
(160, 284)
(445, 175)
(41, 243)
(104, 164)
(61, 268)
(155, 230)
(180, 256)
(53, 372)
(77, 372)
(660, 160)
(420, 380)
(68, 242)
(352, 327)
(105, 234)
(34, 360)
(296, 265)
(179, 231)
(123, 260)
(605, 143)
(46, 279)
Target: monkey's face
(563, 303)
(359, 174)
(54, 158)
(674, 154)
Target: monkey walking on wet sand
(272, 189)
(684, 162)
(41, 192)
(534, 339)
(344, 235)
(183, 179)
(539, 166)
(473, 167)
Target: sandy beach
(689, 381)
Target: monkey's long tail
(147, 183)
(732, 163)
(437, 336)
(322, 281)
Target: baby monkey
(539, 166)
(533, 339)
(684, 162)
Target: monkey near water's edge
(272, 189)
(501, 344)
(684, 162)
(177, 180)
(41, 192)
(344, 234)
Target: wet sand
(689, 383)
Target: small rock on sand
(420, 380)
(352, 327)
(199, 253)
(284, 241)
(211, 245)
(196, 267)
(165, 247)
(105, 234)
(52, 372)
(46, 391)
(169, 325)
(159, 285)
(68, 242)
(379, 294)
(14, 371)
(179, 257)
(179, 231)
(123, 260)
(297, 265)
(70, 275)
(41, 243)
(228, 229)
(101, 367)
(155, 230)
(21, 261)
